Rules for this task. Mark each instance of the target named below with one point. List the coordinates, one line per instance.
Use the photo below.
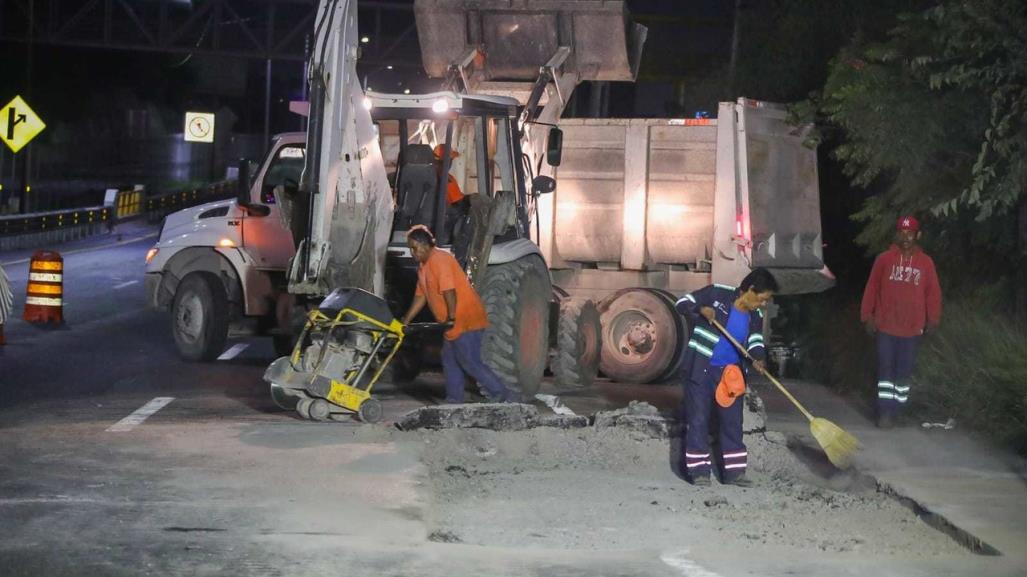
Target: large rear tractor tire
(579, 343)
(516, 297)
(642, 336)
(199, 317)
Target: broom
(839, 445)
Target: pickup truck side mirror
(554, 146)
(543, 185)
(244, 184)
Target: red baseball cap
(908, 222)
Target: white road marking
(680, 561)
(233, 352)
(141, 414)
(554, 403)
(125, 284)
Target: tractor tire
(516, 344)
(642, 336)
(199, 317)
(578, 343)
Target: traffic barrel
(44, 302)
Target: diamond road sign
(18, 124)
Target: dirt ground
(581, 489)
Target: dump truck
(647, 210)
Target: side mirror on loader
(244, 184)
(543, 185)
(554, 146)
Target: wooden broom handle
(764, 372)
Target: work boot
(740, 481)
(701, 480)
(885, 421)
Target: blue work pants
(702, 410)
(461, 358)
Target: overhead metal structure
(265, 29)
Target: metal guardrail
(18, 224)
(37, 229)
(157, 207)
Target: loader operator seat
(418, 181)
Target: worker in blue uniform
(711, 361)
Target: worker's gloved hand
(870, 326)
(708, 313)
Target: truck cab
(220, 267)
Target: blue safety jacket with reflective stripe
(705, 336)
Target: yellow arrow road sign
(18, 124)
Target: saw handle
(414, 328)
(764, 372)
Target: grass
(973, 368)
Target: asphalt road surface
(119, 458)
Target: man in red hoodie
(902, 299)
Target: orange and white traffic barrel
(44, 301)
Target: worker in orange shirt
(453, 192)
(443, 286)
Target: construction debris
(491, 416)
(637, 417)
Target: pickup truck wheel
(199, 317)
(516, 344)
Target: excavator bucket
(509, 40)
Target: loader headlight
(368, 103)
(440, 106)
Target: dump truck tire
(516, 344)
(578, 343)
(199, 317)
(641, 336)
(674, 368)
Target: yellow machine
(347, 343)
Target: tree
(934, 120)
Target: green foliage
(935, 118)
(972, 368)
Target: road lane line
(141, 414)
(125, 284)
(680, 561)
(554, 403)
(233, 352)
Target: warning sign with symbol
(19, 124)
(199, 127)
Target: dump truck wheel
(640, 336)
(674, 368)
(199, 317)
(516, 296)
(578, 343)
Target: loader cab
(448, 155)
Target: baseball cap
(731, 386)
(908, 222)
